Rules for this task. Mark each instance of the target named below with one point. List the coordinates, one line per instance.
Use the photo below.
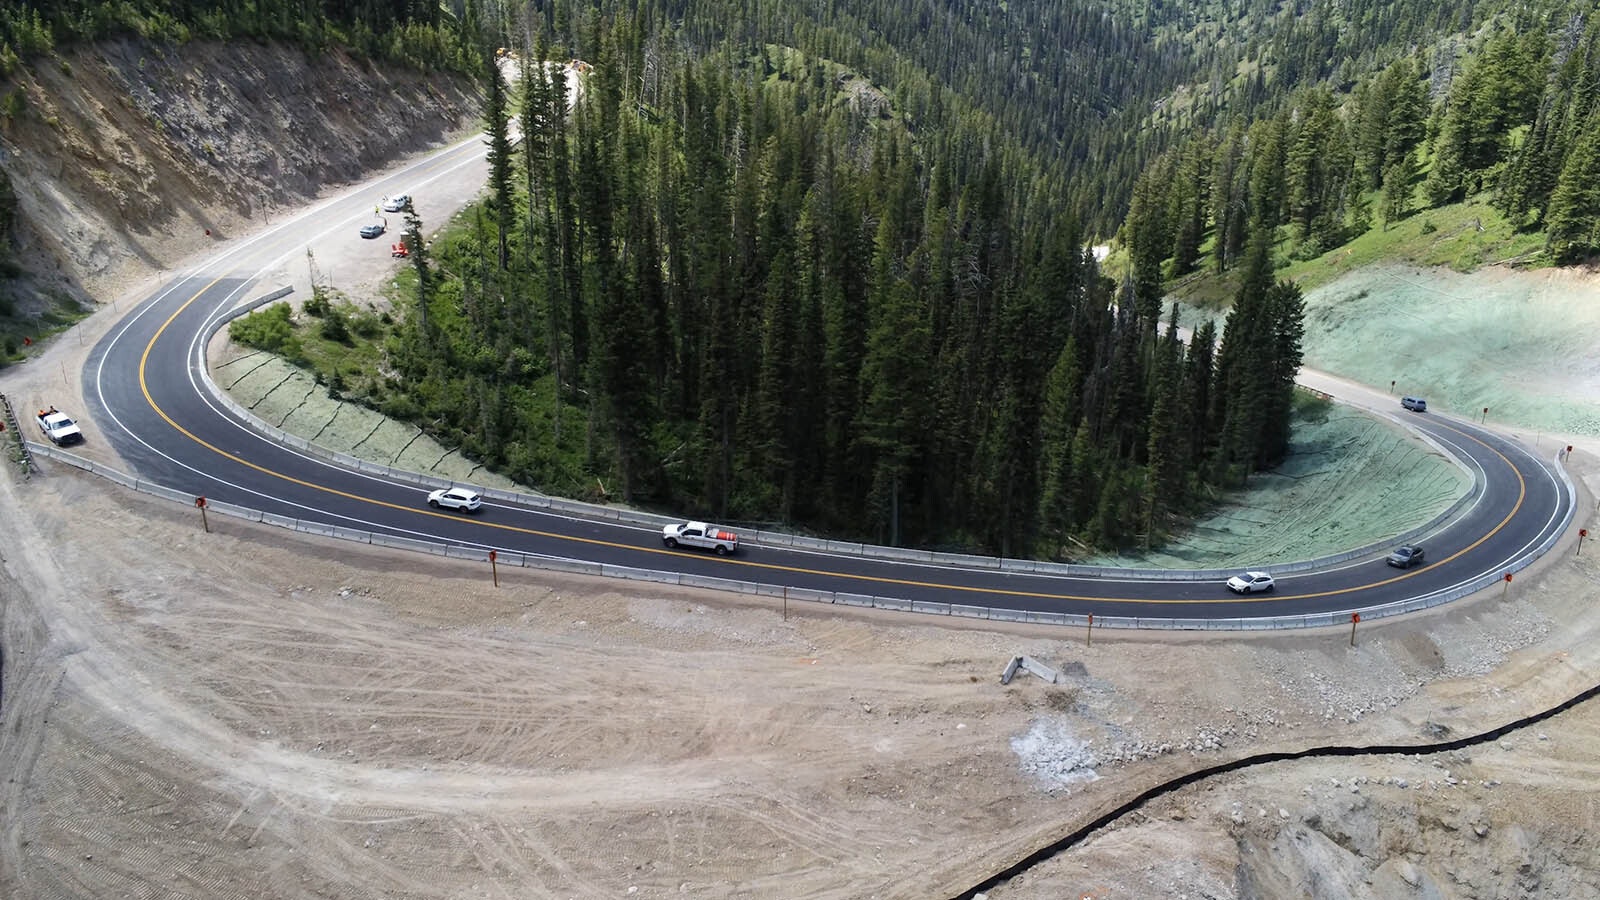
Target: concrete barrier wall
(865, 601)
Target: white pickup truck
(59, 427)
(699, 534)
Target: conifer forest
(830, 266)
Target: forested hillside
(1508, 114)
(826, 264)
(744, 284)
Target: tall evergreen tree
(896, 375)
(1399, 182)
(1574, 217)
(501, 199)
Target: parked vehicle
(59, 427)
(371, 231)
(1415, 404)
(396, 204)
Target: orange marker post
(1507, 589)
(1355, 619)
(201, 503)
(1088, 633)
(493, 568)
(1582, 533)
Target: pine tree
(895, 374)
(1399, 180)
(417, 252)
(1230, 202)
(1198, 376)
(1268, 187)
(1242, 372)
(1167, 445)
(499, 156)
(1573, 229)
(1149, 235)
(1058, 425)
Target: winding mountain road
(145, 384)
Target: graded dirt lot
(247, 713)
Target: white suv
(464, 499)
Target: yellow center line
(797, 570)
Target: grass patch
(1463, 236)
(21, 337)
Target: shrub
(268, 329)
(335, 327)
(318, 305)
(366, 324)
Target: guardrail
(872, 601)
(579, 509)
(24, 457)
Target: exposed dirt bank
(129, 156)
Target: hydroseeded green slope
(1526, 345)
(1349, 480)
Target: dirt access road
(247, 713)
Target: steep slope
(125, 156)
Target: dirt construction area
(247, 713)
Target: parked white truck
(59, 427)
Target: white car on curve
(1250, 583)
(464, 499)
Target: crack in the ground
(270, 391)
(245, 357)
(258, 367)
(337, 408)
(1081, 834)
(402, 450)
(242, 357)
(374, 431)
(296, 408)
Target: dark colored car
(1407, 556)
(1415, 404)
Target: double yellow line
(144, 387)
